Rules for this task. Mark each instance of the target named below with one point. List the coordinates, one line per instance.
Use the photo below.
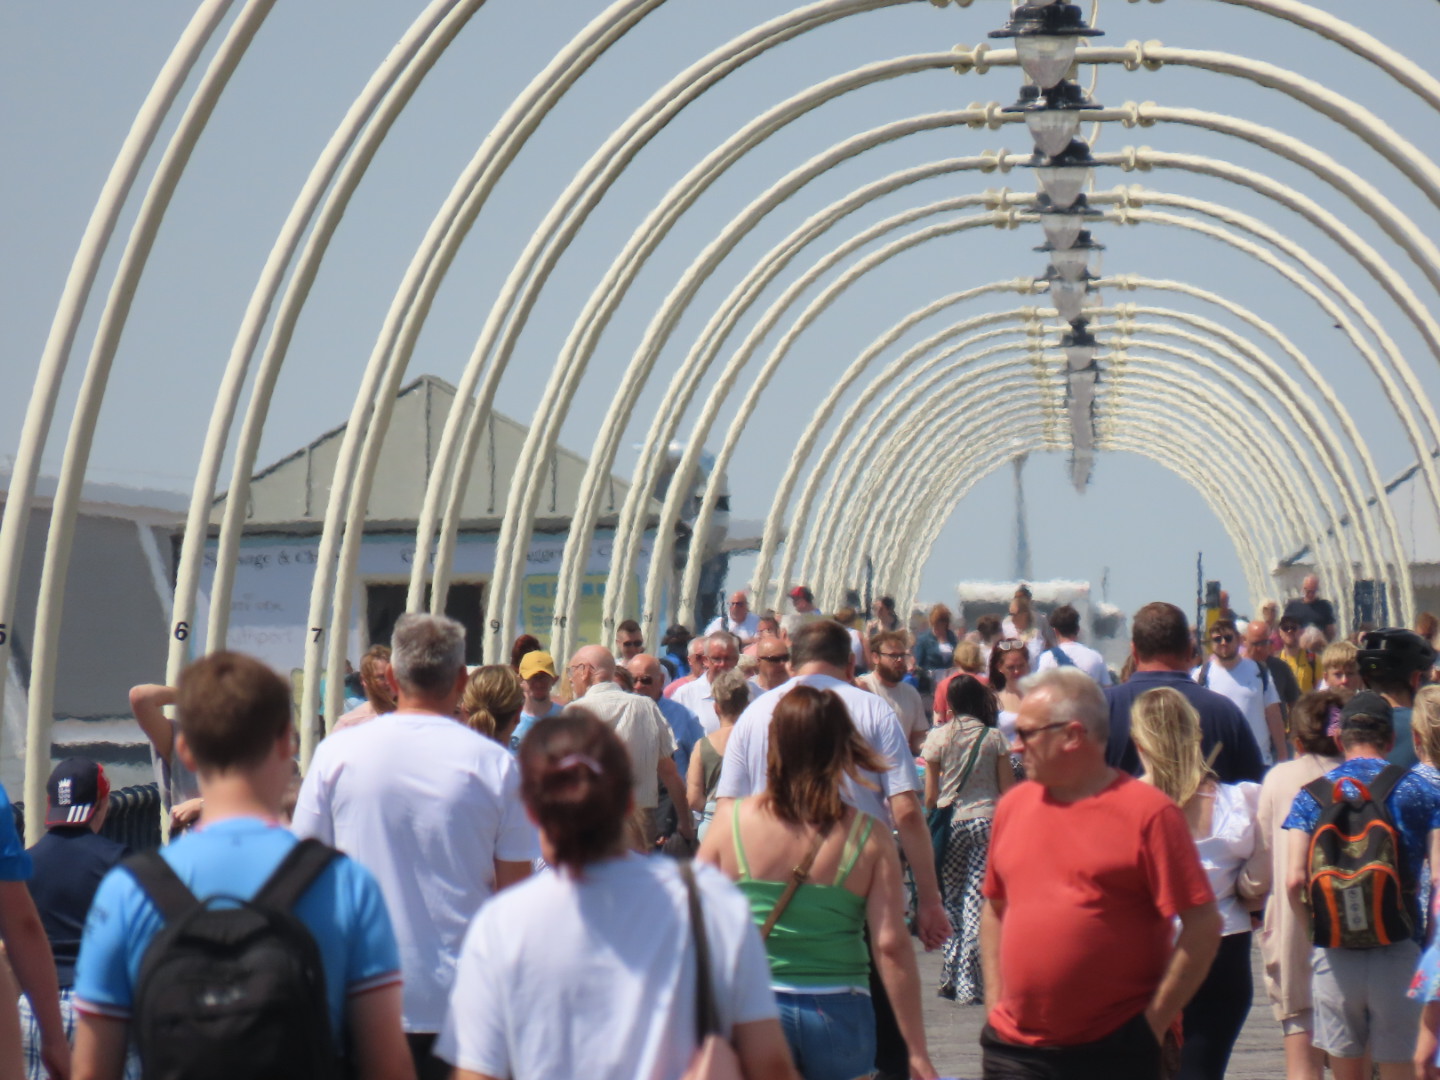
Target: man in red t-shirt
(1088, 869)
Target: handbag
(940, 818)
(715, 1058)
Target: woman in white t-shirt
(589, 970)
(1222, 819)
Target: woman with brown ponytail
(590, 970)
(818, 873)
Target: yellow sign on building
(540, 608)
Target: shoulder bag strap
(797, 877)
(302, 864)
(171, 896)
(974, 757)
(707, 1018)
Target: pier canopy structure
(831, 266)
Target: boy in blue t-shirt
(236, 734)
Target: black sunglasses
(1219, 638)
(778, 658)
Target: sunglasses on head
(1009, 646)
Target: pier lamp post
(1046, 36)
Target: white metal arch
(1371, 260)
(65, 324)
(3, 599)
(969, 472)
(932, 402)
(116, 311)
(1415, 165)
(1158, 443)
(1004, 162)
(939, 386)
(1290, 390)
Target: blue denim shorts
(831, 1036)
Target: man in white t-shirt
(1248, 685)
(1068, 652)
(738, 619)
(642, 728)
(390, 793)
(722, 653)
(890, 652)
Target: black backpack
(234, 992)
(1356, 897)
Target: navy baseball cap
(74, 790)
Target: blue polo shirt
(685, 726)
(1220, 722)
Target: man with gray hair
(722, 652)
(1103, 900)
(642, 728)
(390, 794)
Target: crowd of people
(712, 860)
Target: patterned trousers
(962, 873)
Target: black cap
(1394, 651)
(74, 790)
(1367, 703)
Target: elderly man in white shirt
(738, 619)
(641, 727)
(721, 654)
(389, 792)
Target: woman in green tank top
(819, 963)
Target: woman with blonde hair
(731, 692)
(969, 660)
(818, 873)
(1166, 730)
(491, 704)
(1285, 938)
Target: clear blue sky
(73, 75)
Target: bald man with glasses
(738, 619)
(773, 654)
